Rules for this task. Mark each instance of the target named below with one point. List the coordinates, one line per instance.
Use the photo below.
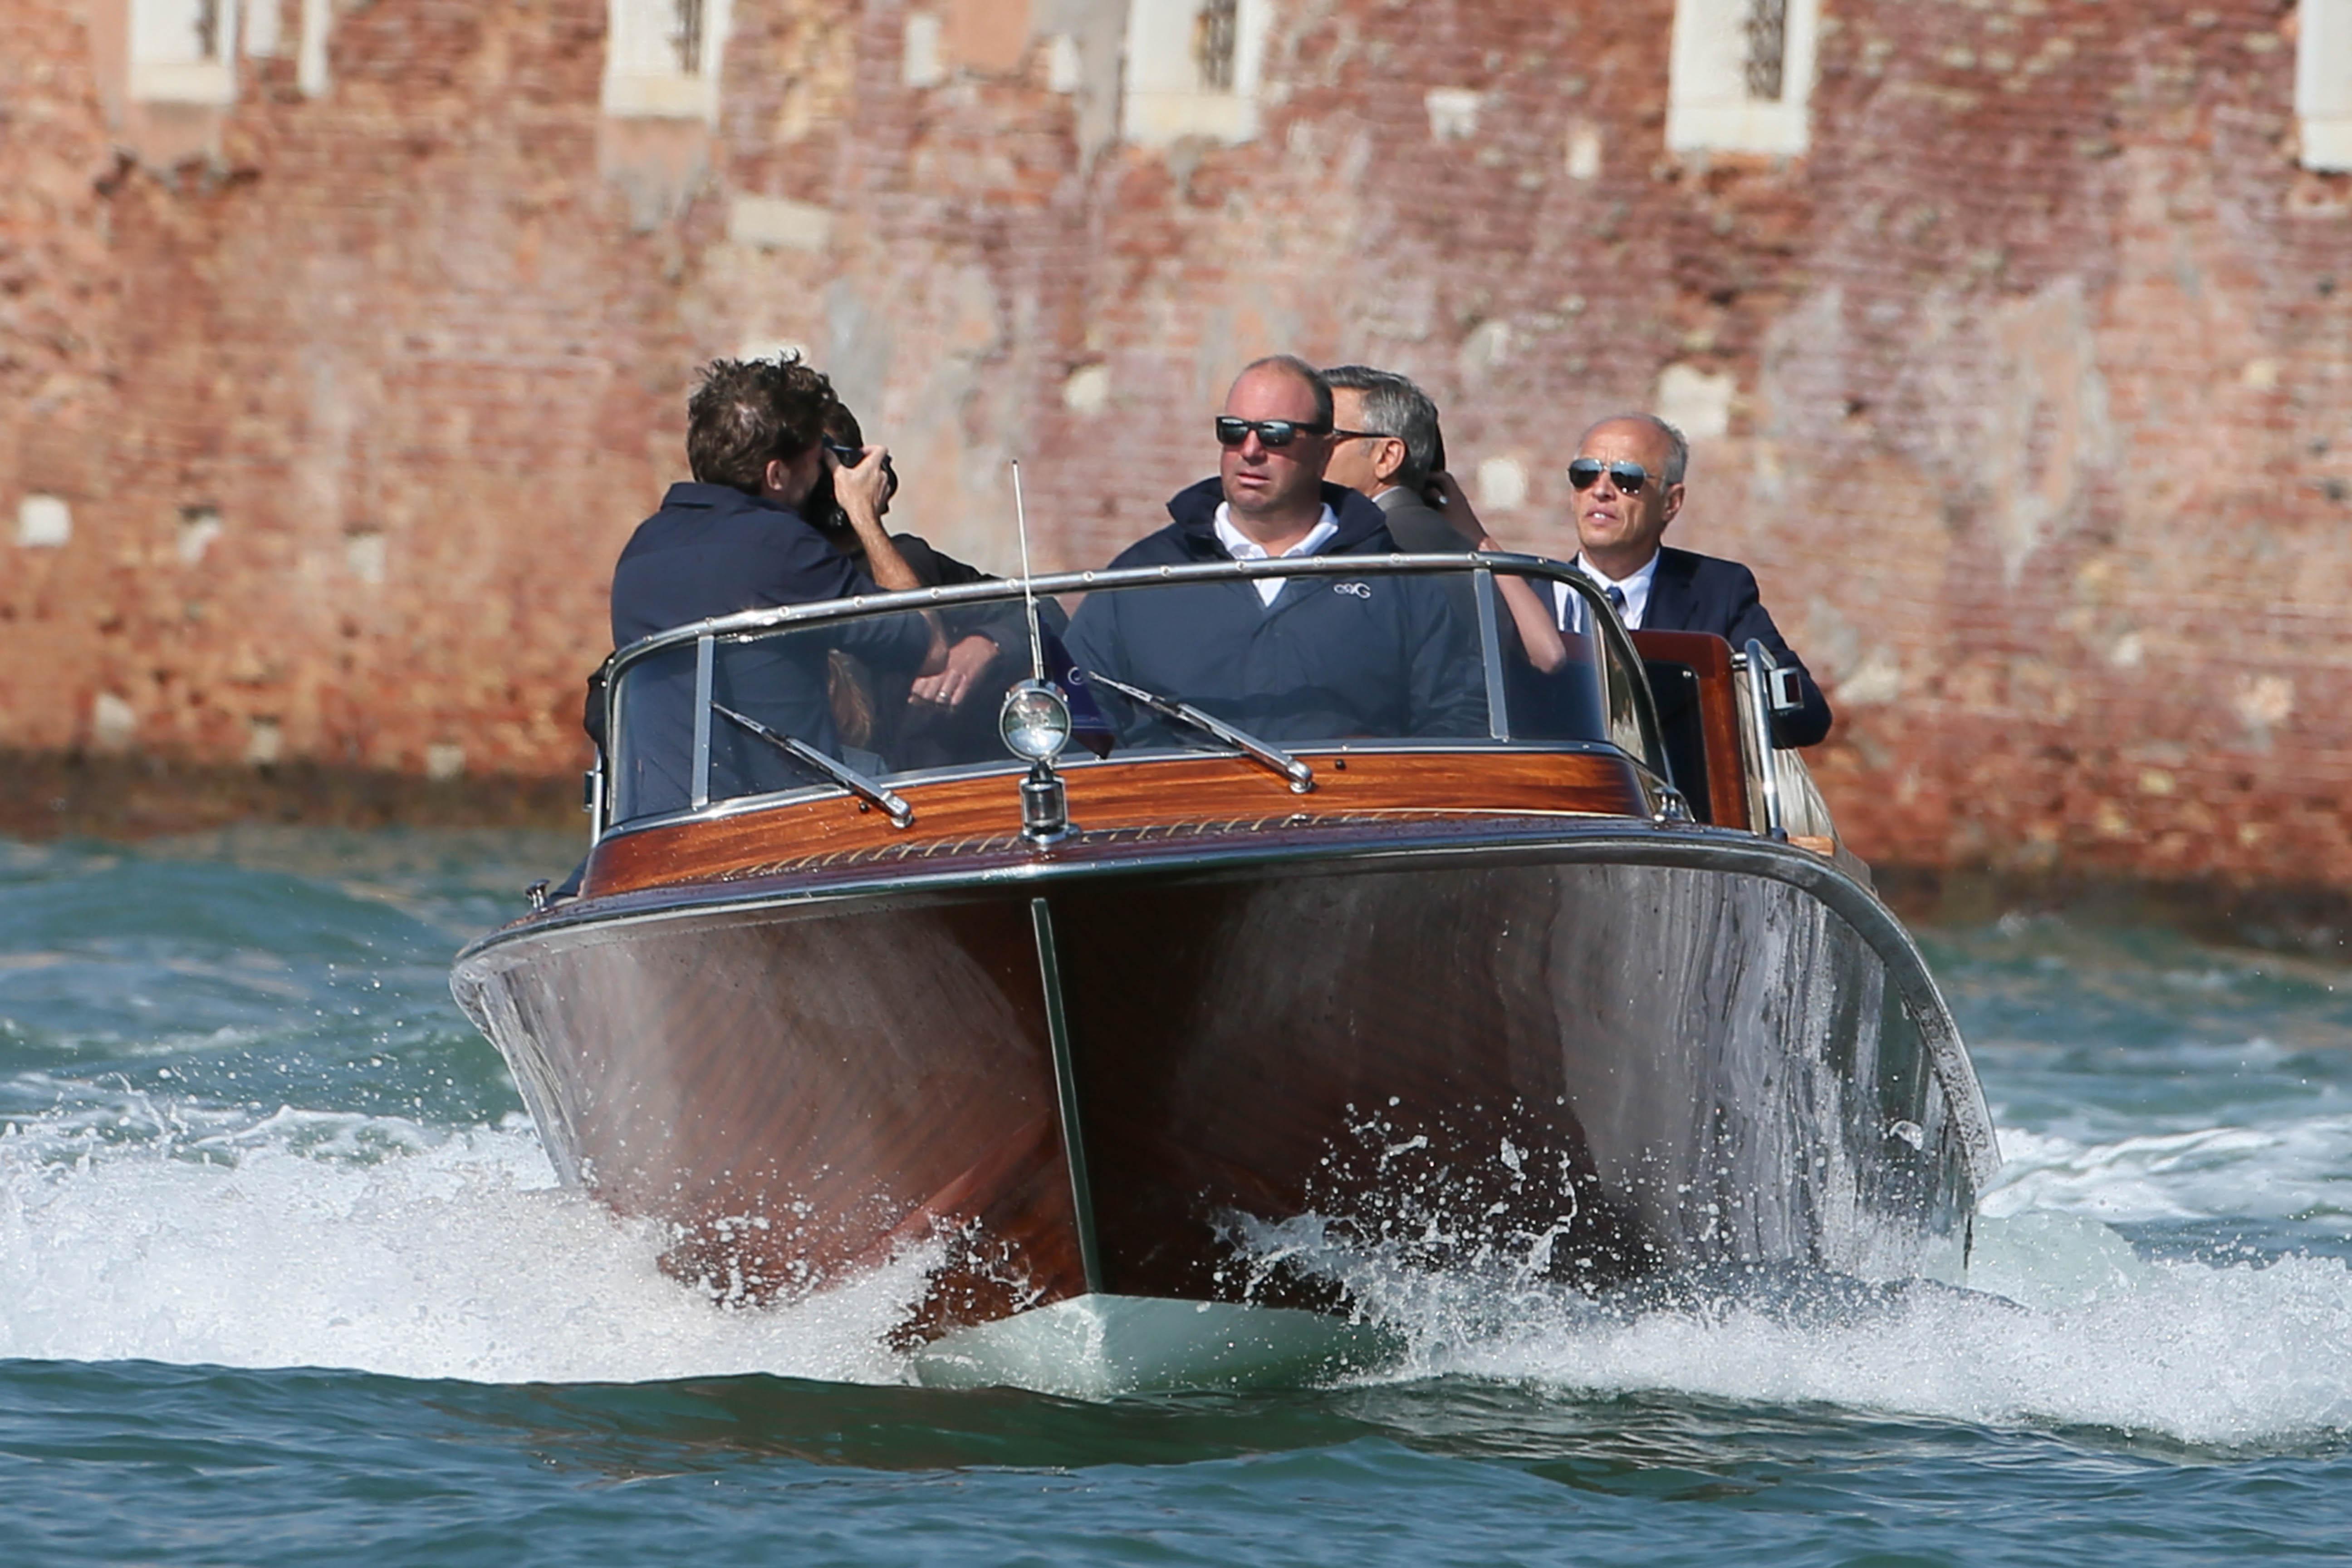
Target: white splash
(2064, 1322)
(319, 1239)
(2227, 1356)
(381, 1246)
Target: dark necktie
(1616, 599)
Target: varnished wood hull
(1587, 1046)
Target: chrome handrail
(1758, 668)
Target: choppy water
(283, 1276)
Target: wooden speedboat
(1592, 990)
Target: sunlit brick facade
(342, 346)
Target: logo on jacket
(1353, 590)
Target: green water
(284, 1279)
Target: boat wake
(2298, 1170)
(393, 1247)
(2061, 1324)
(2058, 1320)
(379, 1245)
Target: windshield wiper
(1301, 776)
(901, 814)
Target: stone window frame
(184, 51)
(2323, 84)
(1729, 90)
(1192, 69)
(662, 59)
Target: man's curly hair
(746, 413)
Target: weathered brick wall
(2039, 362)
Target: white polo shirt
(1241, 547)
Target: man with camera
(734, 539)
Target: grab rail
(1620, 656)
(1757, 666)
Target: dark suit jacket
(1701, 594)
(1418, 528)
(917, 734)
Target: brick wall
(2037, 362)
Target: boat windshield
(1276, 660)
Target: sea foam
(394, 1247)
(381, 1246)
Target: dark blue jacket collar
(1194, 507)
(699, 497)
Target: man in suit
(1386, 447)
(930, 720)
(1628, 478)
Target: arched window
(184, 51)
(662, 57)
(1192, 70)
(2323, 83)
(1740, 74)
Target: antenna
(1028, 593)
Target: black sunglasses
(1233, 432)
(1585, 472)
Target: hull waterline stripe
(1065, 1089)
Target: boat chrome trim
(1621, 660)
(1498, 708)
(778, 617)
(1065, 1091)
(1077, 766)
(705, 651)
(894, 805)
(1753, 669)
(1564, 840)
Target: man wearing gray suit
(1386, 447)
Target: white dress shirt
(1569, 609)
(1241, 547)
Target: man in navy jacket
(1302, 658)
(733, 540)
(1628, 477)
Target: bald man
(1299, 659)
(1628, 478)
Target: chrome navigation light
(1035, 725)
(1035, 722)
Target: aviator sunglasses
(1629, 477)
(1233, 432)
